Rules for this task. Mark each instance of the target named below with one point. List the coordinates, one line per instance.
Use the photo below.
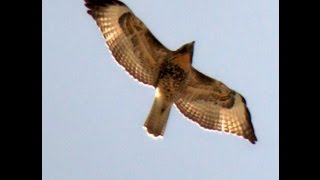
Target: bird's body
(171, 80)
(204, 100)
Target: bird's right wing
(129, 40)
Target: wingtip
(252, 138)
(253, 141)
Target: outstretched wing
(214, 106)
(129, 40)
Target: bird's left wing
(131, 43)
(214, 106)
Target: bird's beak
(191, 47)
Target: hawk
(206, 101)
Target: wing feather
(131, 43)
(214, 106)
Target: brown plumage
(206, 101)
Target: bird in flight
(204, 100)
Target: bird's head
(186, 49)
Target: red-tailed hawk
(204, 100)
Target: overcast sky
(93, 111)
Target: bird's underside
(205, 101)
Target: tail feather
(158, 116)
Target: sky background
(93, 111)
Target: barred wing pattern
(131, 43)
(214, 106)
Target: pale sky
(93, 112)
